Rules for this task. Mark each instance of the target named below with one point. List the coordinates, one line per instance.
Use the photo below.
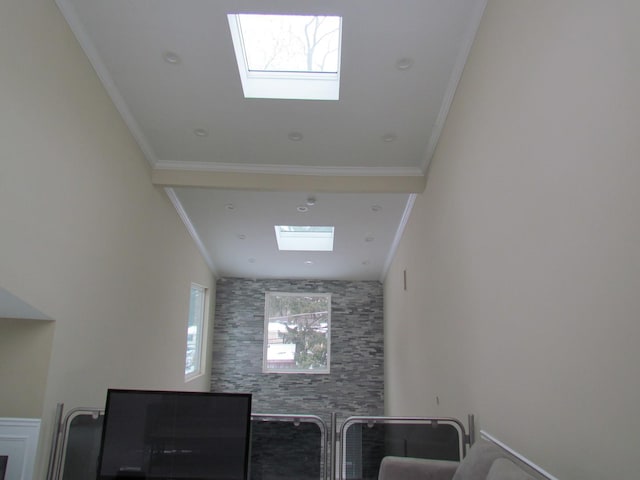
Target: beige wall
(25, 350)
(522, 255)
(86, 238)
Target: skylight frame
(295, 240)
(280, 84)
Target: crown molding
(190, 228)
(398, 236)
(454, 80)
(70, 15)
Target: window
(288, 56)
(304, 238)
(195, 331)
(297, 330)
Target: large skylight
(288, 56)
(304, 238)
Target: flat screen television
(175, 435)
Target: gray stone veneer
(355, 384)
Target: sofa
(484, 461)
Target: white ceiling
(163, 104)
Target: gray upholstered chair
(484, 461)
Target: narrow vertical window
(195, 329)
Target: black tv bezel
(125, 391)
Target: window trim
(199, 355)
(265, 339)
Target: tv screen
(175, 435)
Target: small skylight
(288, 56)
(304, 238)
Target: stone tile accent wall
(355, 384)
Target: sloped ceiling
(372, 147)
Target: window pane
(195, 326)
(297, 333)
(291, 43)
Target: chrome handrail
(332, 460)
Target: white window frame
(283, 85)
(196, 344)
(320, 371)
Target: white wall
(522, 254)
(25, 351)
(86, 238)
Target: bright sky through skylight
(305, 238)
(291, 43)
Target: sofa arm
(407, 468)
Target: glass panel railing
(82, 431)
(282, 446)
(365, 441)
(288, 447)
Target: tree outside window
(297, 333)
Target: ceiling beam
(290, 182)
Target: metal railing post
(55, 442)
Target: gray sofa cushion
(503, 469)
(402, 468)
(477, 463)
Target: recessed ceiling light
(295, 136)
(241, 236)
(369, 238)
(200, 132)
(404, 63)
(365, 262)
(376, 208)
(308, 262)
(171, 57)
(389, 137)
(302, 209)
(311, 201)
(252, 260)
(229, 206)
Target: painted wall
(86, 238)
(522, 253)
(25, 351)
(355, 384)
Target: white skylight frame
(284, 85)
(305, 238)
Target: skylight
(304, 238)
(288, 56)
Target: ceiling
(228, 163)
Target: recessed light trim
(295, 136)
(171, 58)
(287, 76)
(200, 132)
(404, 63)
